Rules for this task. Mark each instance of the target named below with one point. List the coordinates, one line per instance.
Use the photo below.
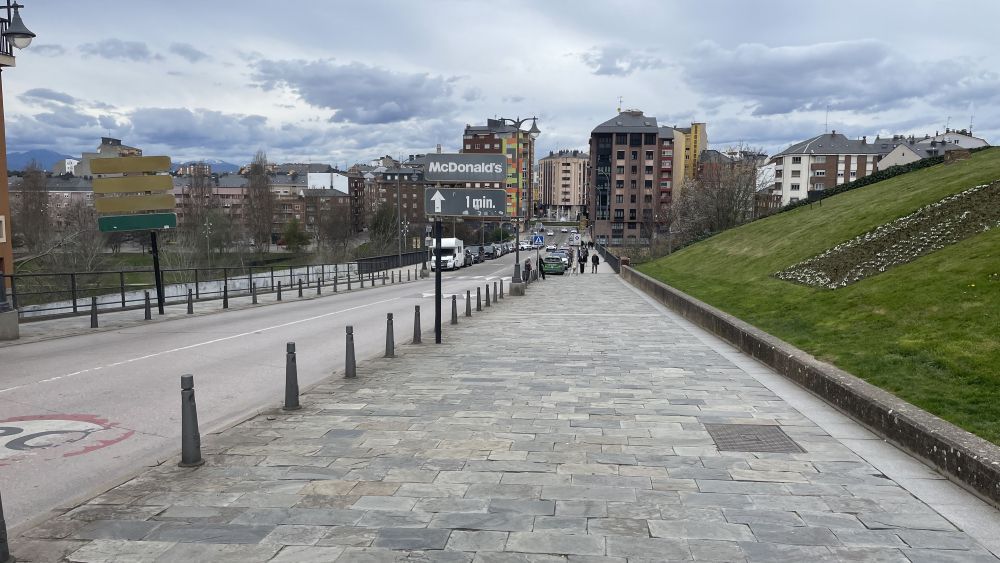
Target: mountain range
(46, 159)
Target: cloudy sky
(342, 82)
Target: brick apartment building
(563, 180)
(497, 137)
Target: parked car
(550, 233)
(471, 257)
(553, 264)
(562, 254)
(525, 245)
(573, 231)
(550, 248)
(564, 230)
(489, 251)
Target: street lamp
(533, 133)
(14, 34)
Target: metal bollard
(190, 310)
(454, 309)
(93, 312)
(319, 286)
(487, 294)
(300, 287)
(351, 368)
(291, 379)
(190, 437)
(496, 294)
(416, 324)
(253, 293)
(361, 278)
(501, 289)
(407, 275)
(468, 303)
(348, 280)
(390, 341)
(225, 296)
(279, 291)
(149, 313)
(479, 299)
(392, 276)
(4, 547)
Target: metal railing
(40, 296)
(610, 258)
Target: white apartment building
(563, 178)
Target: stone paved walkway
(565, 426)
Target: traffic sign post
(465, 202)
(537, 240)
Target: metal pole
(496, 294)
(437, 282)
(479, 299)
(454, 309)
(190, 310)
(468, 303)
(279, 291)
(416, 325)
(350, 369)
(399, 225)
(190, 437)
(300, 287)
(253, 293)
(291, 379)
(93, 312)
(157, 274)
(225, 296)
(501, 289)
(487, 294)
(148, 315)
(390, 337)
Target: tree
(334, 230)
(259, 208)
(81, 244)
(295, 237)
(382, 232)
(31, 218)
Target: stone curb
(966, 459)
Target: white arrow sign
(437, 198)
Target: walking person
(527, 270)
(594, 261)
(583, 261)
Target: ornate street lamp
(533, 133)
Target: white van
(452, 254)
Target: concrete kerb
(964, 458)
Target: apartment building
(695, 141)
(109, 148)
(633, 173)
(563, 180)
(497, 137)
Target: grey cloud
(66, 118)
(116, 49)
(513, 99)
(359, 93)
(618, 61)
(48, 50)
(472, 94)
(865, 75)
(107, 122)
(45, 94)
(188, 52)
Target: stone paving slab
(567, 425)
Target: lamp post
(533, 133)
(15, 35)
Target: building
(563, 180)
(695, 142)
(911, 152)
(498, 137)
(65, 166)
(109, 148)
(633, 168)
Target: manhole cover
(752, 438)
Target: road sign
(140, 186)
(537, 239)
(465, 202)
(574, 239)
(465, 167)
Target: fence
(39, 296)
(610, 258)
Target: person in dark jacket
(594, 260)
(583, 261)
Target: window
(840, 174)
(818, 186)
(619, 214)
(468, 146)
(778, 173)
(854, 173)
(649, 170)
(648, 184)
(819, 159)
(631, 184)
(667, 152)
(620, 155)
(631, 198)
(631, 214)
(793, 200)
(796, 160)
(795, 187)
(819, 172)
(631, 227)
(619, 169)
(777, 186)
(619, 198)
(621, 138)
(647, 198)
(635, 170)
(649, 155)
(620, 184)
(796, 173)
(635, 155)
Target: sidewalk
(541, 431)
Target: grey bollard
(149, 314)
(319, 286)
(253, 293)
(392, 277)
(468, 303)
(348, 280)
(350, 369)
(279, 291)
(390, 341)
(225, 296)
(487, 294)
(300, 287)
(454, 309)
(479, 299)
(407, 275)
(190, 437)
(383, 279)
(416, 324)
(501, 289)
(4, 547)
(190, 310)
(361, 279)
(291, 379)
(496, 294)
(93, 312)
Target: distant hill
(218, 166)
(46, 159)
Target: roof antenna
(947, 124)
(619, 104)
(826, 125)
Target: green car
(553, 265)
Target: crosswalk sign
(537, 239)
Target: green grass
(927, 331)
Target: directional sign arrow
(437, 198)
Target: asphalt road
(119, 391)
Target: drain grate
(752, 438)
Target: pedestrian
(583, 262)
(541, 268)
(527, 269)
(594, 260)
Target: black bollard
(416, 324)
(253, 293)
(149, 313)
(361, 279)
(291, 379)
(190, 438)
(348, 280)
(93, 311)
(279, 291)
(392, 277)
(454, 309)
(407, 275)
(225, 296)
(190, 302)
(383, 279)
(350, 370)
(390, 341)
(4, 547)
(479, 299)
(468, 303)
(319, 286)
(487, 294)
(335, 279)
(300, 287)
(496, 294)
(501, 289)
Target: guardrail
(610, 258)
(40, 296)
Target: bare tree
(334, 228)
(723, 195)
(81, 244)
(259, 208)
(31, 217)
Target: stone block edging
(969, 460)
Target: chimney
(834, 132)
(864, 140)
(439, 148)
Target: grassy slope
(928, 331)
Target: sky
(343, 82)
